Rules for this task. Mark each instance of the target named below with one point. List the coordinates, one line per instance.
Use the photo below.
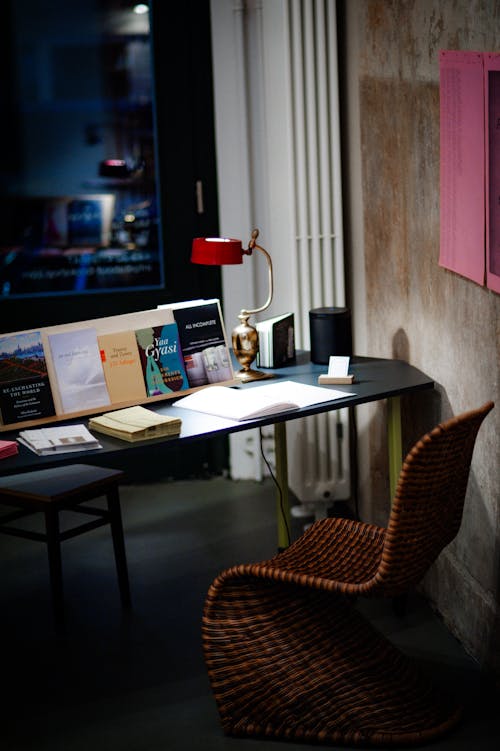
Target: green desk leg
(394, 441)
(283, 500)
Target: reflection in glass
(79, 209)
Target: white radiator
(286, 61)
(318, 457)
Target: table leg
(395, 444)
(55, 565)
(283, 499)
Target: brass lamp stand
(222, 251)
(245, 338)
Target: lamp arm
(251, 246)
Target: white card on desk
(338, 366)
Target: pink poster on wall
(462, 167)
(492, 119)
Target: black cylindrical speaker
(330, 330)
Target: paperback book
(78, 368)
(25, 392)
(58, 440)
(136, 424)
(203, 342)
(161, 359)
(122, 366)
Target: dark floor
(138, 683)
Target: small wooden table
(51, 491)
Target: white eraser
(338, 366)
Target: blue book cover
(161, 359)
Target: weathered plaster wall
(405, 305)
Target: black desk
(375, 379)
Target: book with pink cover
(8, 448)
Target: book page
(258, 401)
(234, 404)
(134, 418)
(302, 394)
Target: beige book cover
(122, 366)
(136, 424)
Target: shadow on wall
(422, 411)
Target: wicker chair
(289, 656)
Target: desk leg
(395, 444)
(283, 500)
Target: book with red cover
(8, 448)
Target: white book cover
(78, 368)
(59, 439)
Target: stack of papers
(136, 424)
(8, 448)
(58, 440)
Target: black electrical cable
(280, 491)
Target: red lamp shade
(216, 251)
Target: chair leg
(115, 515)
(55, 563)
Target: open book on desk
(258, 401)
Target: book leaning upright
(78, 369)
(276, 341)
(136, 424)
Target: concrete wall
(404, 305)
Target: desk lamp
(219, 251)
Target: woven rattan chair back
(428, 505)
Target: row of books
(123, 359)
